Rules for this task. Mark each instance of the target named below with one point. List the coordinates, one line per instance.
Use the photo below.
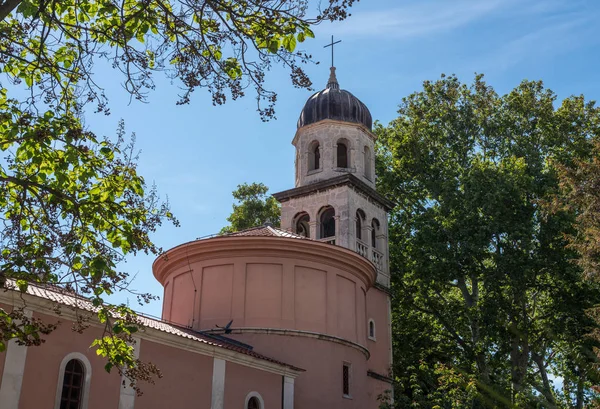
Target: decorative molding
(217, 400)
(379, 377)
(383, 288)
(295, 333)
(85, 391)
(14, 369)
(326, 122)
(222, 247)
(345, 179)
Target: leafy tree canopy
(224, 46)
(489, 302)
(72, 204)
(254, 207)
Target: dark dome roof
(334, 103)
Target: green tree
(489, 303)
(72, 204)
(254, 207)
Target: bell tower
(334, 199)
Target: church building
(265, 318)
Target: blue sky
(197, 154)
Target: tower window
(346, 380)
(327, 220)
(360, 217)
(72, 385)
(374, 232)
(372, 329)
(367, 162)
(302, 227)
(314, 156)
(342, 155)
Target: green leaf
(289, 43)
(273, 46)
(22, 285)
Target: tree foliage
(254, 207)
(72, 204)
(224, 46)
(489, 302)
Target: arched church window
(367, 162)
(253, 403)
(342, 155)
(327, 221)
(372, 330)
(360, 218)
(302, 227)
(374, 232)
(72, 387)
(314, 156)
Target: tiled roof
(61, 296)
(265, 231)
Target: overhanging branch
(7, 7)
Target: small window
(346, 380)
(302, 227)
(327, 223)
(342, 155)
(253, 403)
(360, 217)
(314, 156)
(72, 385)
(374, 233)
(372, 330)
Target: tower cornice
(261, 246)
(342, 180)
(325, 122)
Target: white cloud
(424, 18)
(546, 42)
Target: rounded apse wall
(267, 282)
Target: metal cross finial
(331, 45)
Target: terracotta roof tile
(61, 296)
(265, 231)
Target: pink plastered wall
(186, 381)
(268, 292)
(380, 349)
(241, 380)
(43, 364)
(321, 385)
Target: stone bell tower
(335, 200)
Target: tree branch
(7, 7)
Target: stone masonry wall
(328, 133)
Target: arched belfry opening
(360, 219)
(314, 156)
(301, 224)
(374, 232)
(342, 154)
(327, 222)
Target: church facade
(266, 318)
